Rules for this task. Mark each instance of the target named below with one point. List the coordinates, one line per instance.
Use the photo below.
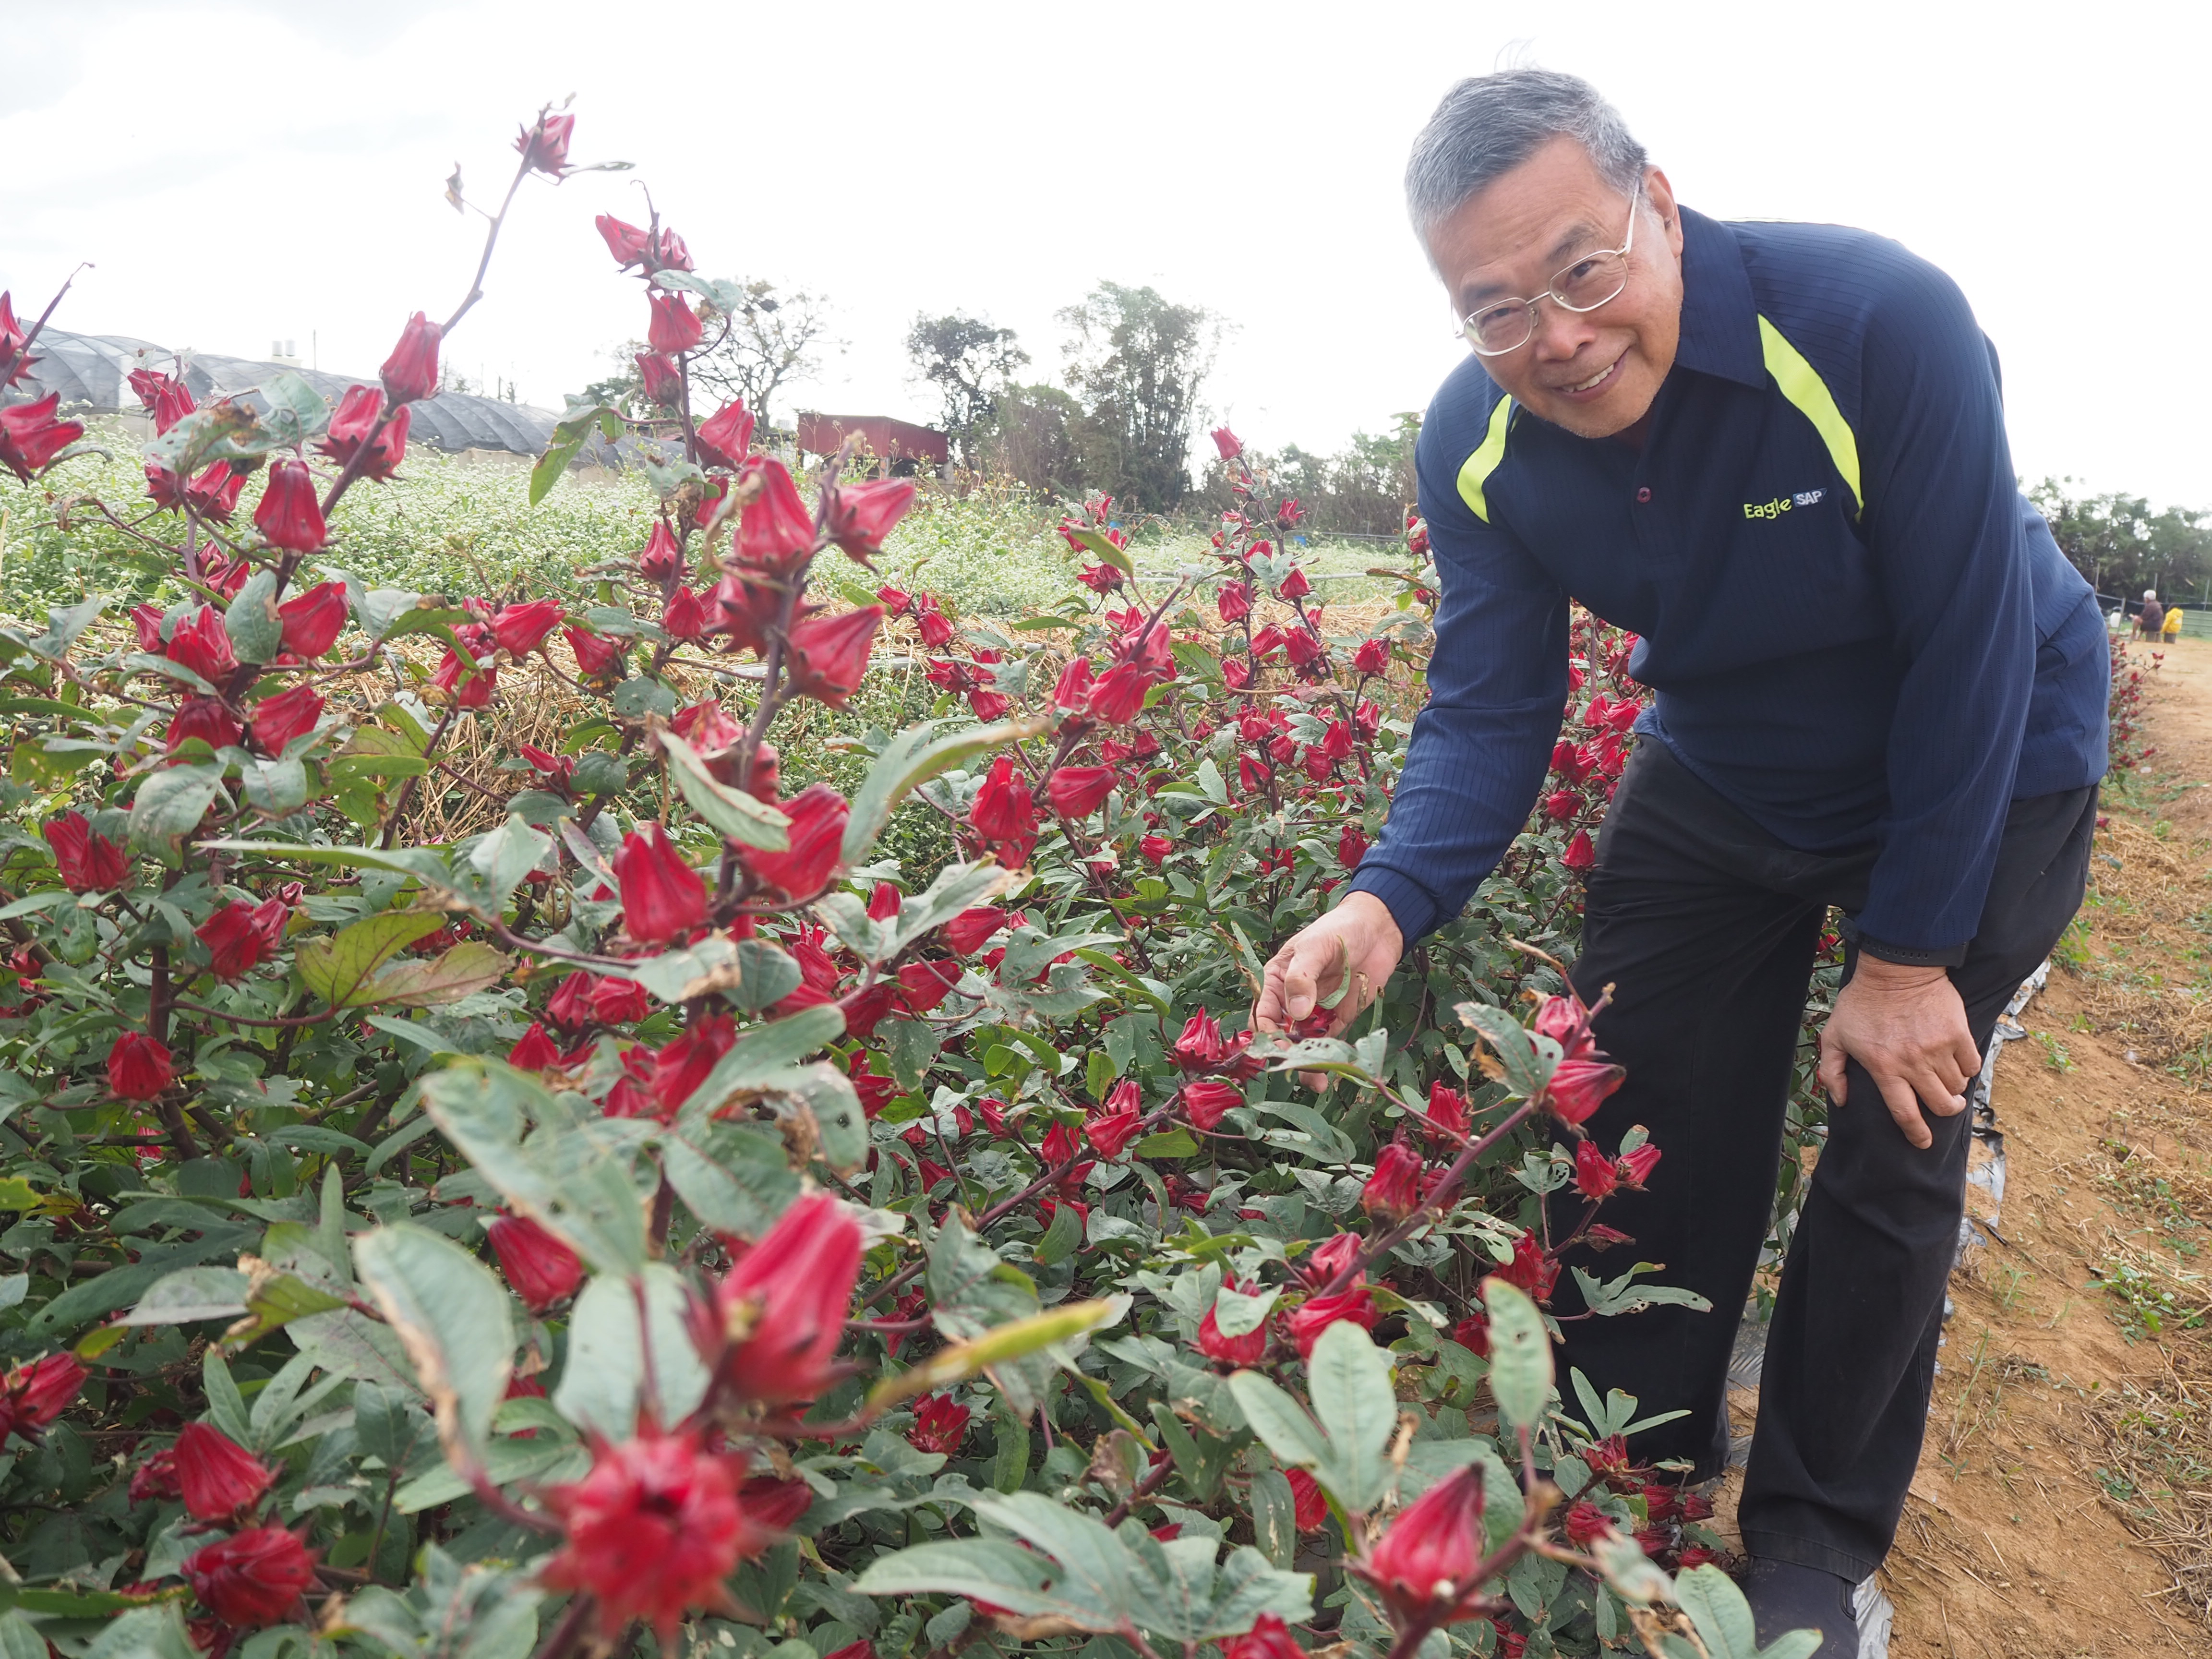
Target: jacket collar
(1720, 319)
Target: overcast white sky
(258, 169)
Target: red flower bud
(626, 242)
(1581, 853)
(1204, 1102)
(239, 936)
(313, 620)
(1004, 812)
(1351, 846)
(1579, 1087)
(659, 379)
(682, 1065)
(89, 863)
(1307, 1322)
(30, 436)
(783, 1307)
(412, 370)
(939, 1425)
(884, 902)
(1594, 1176)
(1156, 848)
(1294, 586)
(468, 681)
(1248, 1349)
(861, 515)
(776, 530)
(598, 658)
(935, 626)
(1234, 601)
(216, 1475)
(675, 329)
(1566, 1022)
(619, 1002)
(1635, 1167)
(1077, 792)
(1236, 674)
(167, 398)
(1227, 444)
(519, 629)
(1394, 1191)
(923, 985)
(1118, 694)
(36, 1394)
(1530, 1270)
(544, 146)
(137, 1067)
(1448, 1109)
(1473, 1334)
(684, 618)
(252, 1578)
(201, 643)
(653, 1530)
(358, 420)
(1583, 1524)
(661, 894)
(570, 1004)
(817, 815)
(967, 933)
(1308, 1505)
(1113, 1125)
(537, 1052)
(1424, 1566)
(278, 720)
(1269, 1637)
(542, 1269)
(827, 656)
(728, 433)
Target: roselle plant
(663, 1211)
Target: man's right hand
(1358, 938)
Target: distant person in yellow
(2169, 630)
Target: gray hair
(1488, 125)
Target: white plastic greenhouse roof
(91, 371)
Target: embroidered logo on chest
(1781, 504)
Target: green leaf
(640, 695)
(1236, 1313)
(956, 887)
(1279, 1421)
(1527, 1057)
(1052, 1330)
(1097, 542)
(420, 862)
(1168, 1144)
(765, 1056)
(911, 759)
(256, 630)
(573, 1176)
(1274, 1518)
(604, 1379)
(1520, 1354)
(189, 1295)
(570, 436)
(274, 787)
(1624, 1296)
(169, 805)
(1349, 1379)
(1724, 1622)
(714, 964)
(1061, 1239)
(743, 817)
(339, 968)
(469, 967)
(452, 1314)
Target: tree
(1031, 439)
(2121, 546)
(1137, 362)
(971, 364)
(774, 341)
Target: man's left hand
(1908, 1028)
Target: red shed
(889, 440)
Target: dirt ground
(2063, 1505)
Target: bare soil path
(2063, 1505)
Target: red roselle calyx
(782, 1308)
(662, 895)
(412, 371)
(216, 1476)
(255, 1577)
(1424, 1565)
(653, 1531)
(542, 1269)
(138, 1067)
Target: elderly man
(1695, 428)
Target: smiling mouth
(1594, 380)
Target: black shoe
(1785, 1597)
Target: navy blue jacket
(1858, 630)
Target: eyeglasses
(1508, 325)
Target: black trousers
(1707, 927)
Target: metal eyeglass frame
(1552, 289)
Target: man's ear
(1660, 194)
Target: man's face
(1593, 373)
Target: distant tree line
(1127, 412)
(2122, 547)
